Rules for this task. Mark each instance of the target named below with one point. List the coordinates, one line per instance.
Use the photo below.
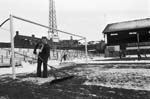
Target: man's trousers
(40, 62)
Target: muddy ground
(74, 88)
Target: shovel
(60, 79)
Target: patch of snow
(37, 80)
(103, 60)
(29, 68)
(127, 86)
(25, 68)
(137, 79)
(127, 78)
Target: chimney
(17, 33)
(33, 36)
(71, 38)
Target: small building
(22, 41)
(4, 45)
(128, 37)
(68, 44)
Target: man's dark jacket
(45, 53)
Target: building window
(114, 34)
(132, 33)
(149, 31)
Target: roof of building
(4, 45)
(127, 25)
(27, 37)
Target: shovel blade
(61, 79)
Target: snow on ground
(101, 61)
(28, 68)
(129, 78)
(25, 68)
(37, 80)
(137, 79)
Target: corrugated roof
(127, 25)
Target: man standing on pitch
(43, 56)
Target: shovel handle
(53, 67)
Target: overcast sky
(83, 17)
